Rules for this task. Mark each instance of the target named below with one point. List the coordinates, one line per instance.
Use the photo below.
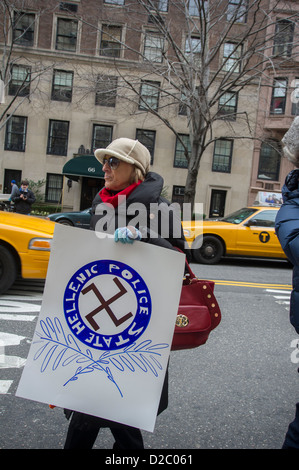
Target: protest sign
(103, 336)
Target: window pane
(295, 97)
(147, 138)
(111, 41)
(283, 40)
(279, 92)
(62, 87)
(102, 136)
(23, 28)
(269, 163)
(58, 137)
(149, 95)
(54, 187)
(66, 37)
(153, 48)
(222, 155)
(106, 91)
(180, 159)
(20, 80)
(236, 10)
(231, 57)
(15, 138)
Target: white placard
(103, 336)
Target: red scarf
(115, 199)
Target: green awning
(85, 165)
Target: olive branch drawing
(60, 349)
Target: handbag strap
(190, 273)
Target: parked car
(75, 219)
(247, 232)
(25, 244)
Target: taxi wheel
(210, 252)
(8, 269)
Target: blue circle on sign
(90, 284)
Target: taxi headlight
(186, 233)
(40, 244)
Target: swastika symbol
(105, 304)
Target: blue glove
(125, 235)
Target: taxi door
(257, 237)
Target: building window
(269, 162)
(15, 137)
(295, 97)
(58, 137)
(62, 86)
(101, 136)
(66, 35)
(149, 95)
(147, 138)
(193, 8)
(178, 193)
(23, 28)
(227, 106)
(237, 11)
(19, 84)
(180, 159)
(232, 54)
(222, 156)
(193, 49)
(53, 187)
(115, 2)
(153, 47)
(110, 41)
(279, 96)
(163, 5)
(283, 39)
(106, 91)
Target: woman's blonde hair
(137, 175)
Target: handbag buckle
(181, 320)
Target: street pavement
(236, 392)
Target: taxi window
(238, 216)
(264, 219)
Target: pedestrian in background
(14, 189)
(126, 167)
(24, 199)
(287, 229)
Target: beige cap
(128, 150)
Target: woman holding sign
(130, 208)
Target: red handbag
(198, 313)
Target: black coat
(23, 206)
(160, 226)
(287, 230)
(147, 193)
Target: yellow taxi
(248, 232)
(25, 244)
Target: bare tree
(20, 72)
(198, 57)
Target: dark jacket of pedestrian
(130, 191)
(24, 199)
(287, 230)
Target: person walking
(24, 199)
(287, 230)
(128, 181)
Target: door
(217, 205)
(11, 175)
(90, 187)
